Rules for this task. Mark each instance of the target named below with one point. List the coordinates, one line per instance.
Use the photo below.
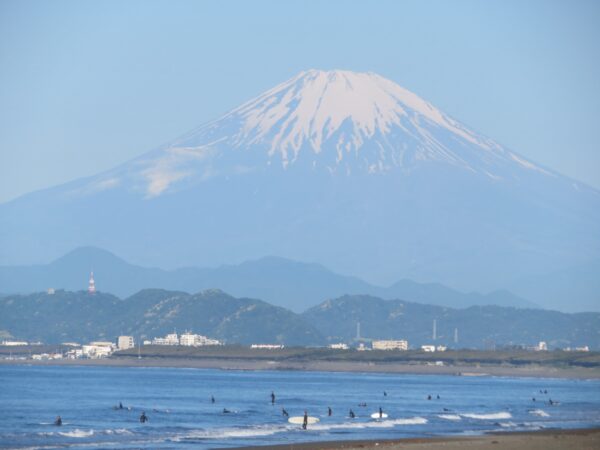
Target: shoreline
(549, 439)
(533, 371)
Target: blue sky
(87, 85)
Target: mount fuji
(342, 168)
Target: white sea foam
(508, 424)
(390, 423)
(539, 412)
(454, 417)
(223, 433)
(491, 416)
(77, 433)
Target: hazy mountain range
(290, 284)
(347, 169)
(79, 316)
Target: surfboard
(376, 416)
(299, 420)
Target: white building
(390, 345)
(428, 348)
(441, 348)
(125, 342)
(14, 343)
(196, 340)
(340, 346)
(267, 346)
(170, 339)
(98, 349)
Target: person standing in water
(272, 398)
(212, 398)
(351, 414)
(305, 421)
(329, 411)
(284, 412)
(58, 421)
(380, 413)
(143, 417)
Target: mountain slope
(343, 168)
(78, 316)
(68, 316)
(290, 284)
(478, 326)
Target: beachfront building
(98, 349)
(428, 348)
(267, 346)
(125, 342)
(169, 339)
(14, 343)
(197, 340)
(390, 345)
(340, 346)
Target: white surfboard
(299, 420)
(376, 416)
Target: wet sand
(580, 439)
(327, 366)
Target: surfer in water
(120, 405)
(284, 412)
(329, 411)
(384, 394)
(351, 414)
(429, 397)
(272, 398)
(226, 411)
(305, 421)
(212, 399)
(380, 413)
(143, 417)
(58, 421)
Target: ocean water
(182, 416)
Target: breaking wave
(491, 416)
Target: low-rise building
(125, 342)
(267, 346)
(196, 340)
(428, 348)
(339, 346)
(98, 349)
(169, 339)
(390, 345)
(14, 343)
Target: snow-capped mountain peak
(339, 121)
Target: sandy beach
(579, 439)
(326, 366)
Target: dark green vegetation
(67, 316)
(78, 316)
(282, 282)
(478, 326)
(450, 357)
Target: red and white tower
(92, 284)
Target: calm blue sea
(182, 416)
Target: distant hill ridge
(282, 282)
(79, 316)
